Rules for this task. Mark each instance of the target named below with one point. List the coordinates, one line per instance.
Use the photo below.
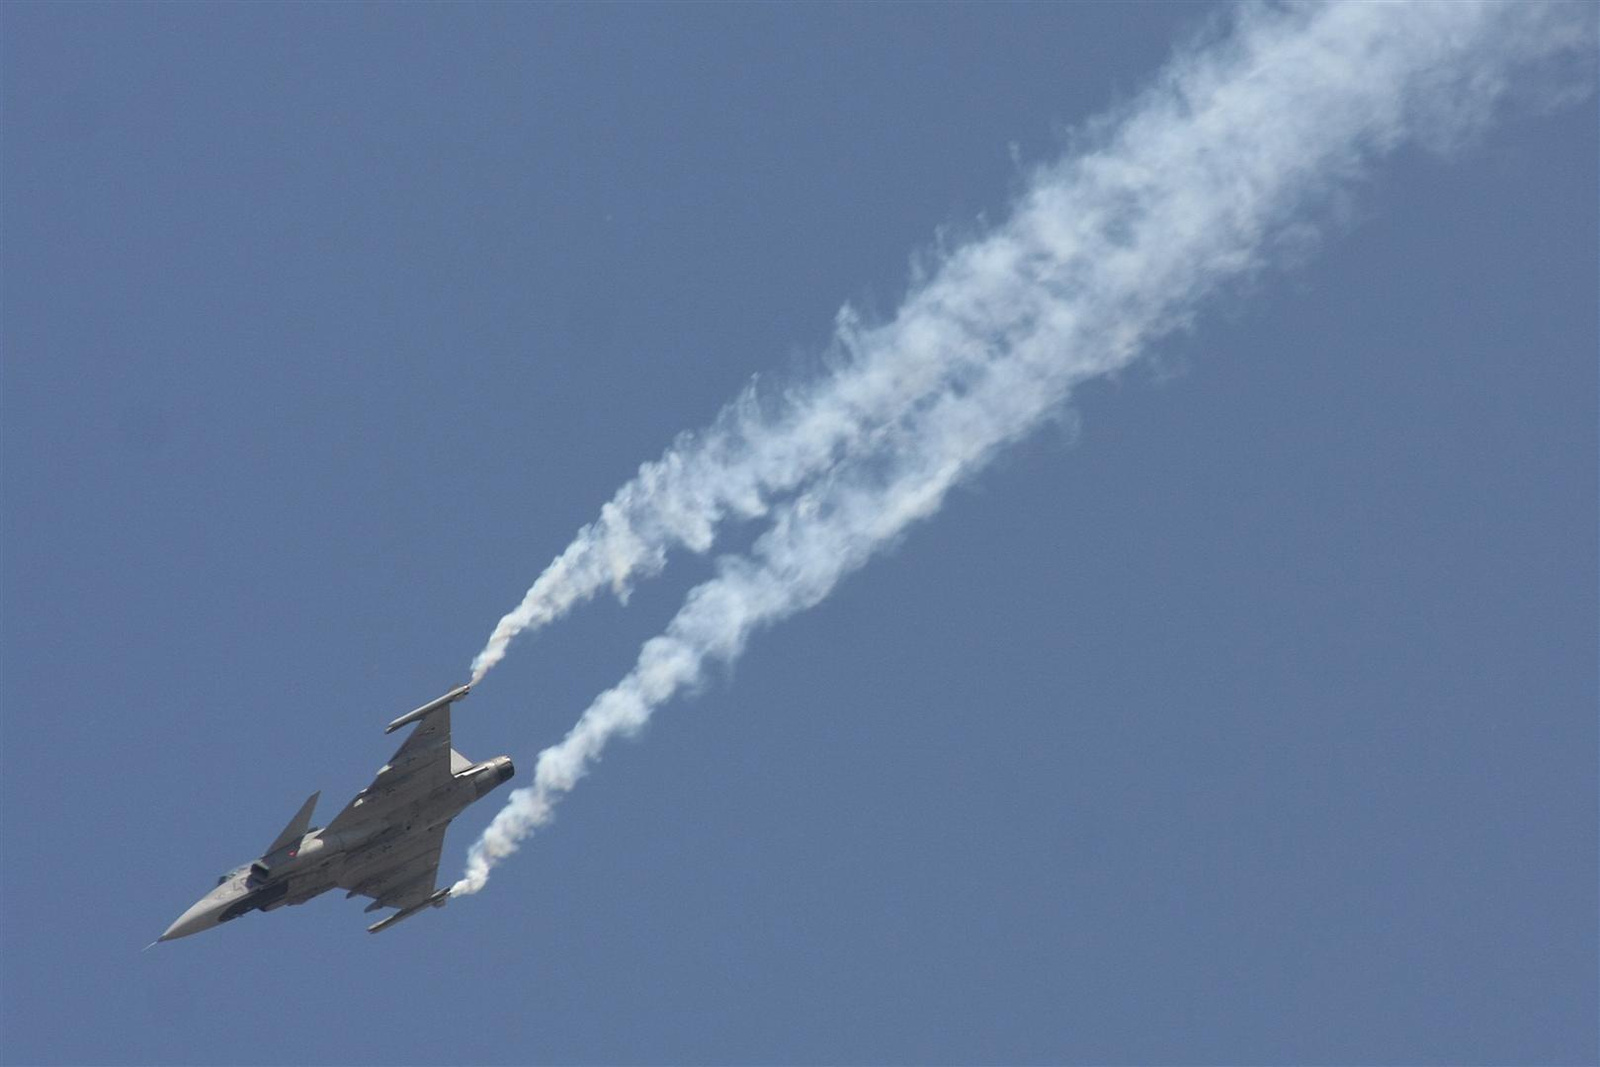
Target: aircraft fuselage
(384, 844)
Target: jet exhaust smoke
(1199, 182)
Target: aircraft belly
(385, 856)
(299, 894)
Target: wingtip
(433, 705)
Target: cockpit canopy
(231, 875)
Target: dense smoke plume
(1228, 159)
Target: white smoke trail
(1191, 188)
(755, 453)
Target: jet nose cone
(203, 916)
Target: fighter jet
(384, 845)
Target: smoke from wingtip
(757, 450)
(1188, 188)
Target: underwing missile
(432, 705)
(435, 901)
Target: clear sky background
(1256, 724)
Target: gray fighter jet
(384, 845)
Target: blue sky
(1252, 721)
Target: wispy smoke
(1193, 186)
